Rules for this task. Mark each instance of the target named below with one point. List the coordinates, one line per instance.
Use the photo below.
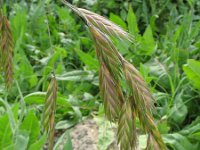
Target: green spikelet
(111, 94)
(142, 102)
(49, 111)
(127, 136)
(101, 23)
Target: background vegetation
(166, 51)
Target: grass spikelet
(6, 50)
(138, 86)
(141, 98)
(111, 94)
(127, 136)
(49, 111)
(107, 52)
(100, 22)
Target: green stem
(22, 103)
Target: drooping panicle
(122, 103)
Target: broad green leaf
(31, 125)
(179, 142)
(6, 128)
(148, 44)
(179, 110)
(132, 22)
(88, 60)
(5, 132)
(192, 71)
(38, 145)
(65, 124)
(64, 142)
(22, 138)
(39, 97)
(192, 131)
(116, 19)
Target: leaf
(192, 71)
(39, 97)
(5, 132)
(65, 124)
(31, 125)
(38, 145)
(179, 142)
(88, 59)
(132, 22)
(76, 75)
(116, 19)
(192, 131)
(179, 110)
(6, 128)
(64, 142)
(148, 44)
(22, 139)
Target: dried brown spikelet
(111, 93)
(127, 136)
(49, 111)
(6, 50)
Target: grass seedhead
(107, 53)
(142, 103)
(101, 23)
(126, 132)
(111, 94)
(113, 67)
(6, 50)
(49, 111)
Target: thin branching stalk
(49, 111)
(6, 49)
